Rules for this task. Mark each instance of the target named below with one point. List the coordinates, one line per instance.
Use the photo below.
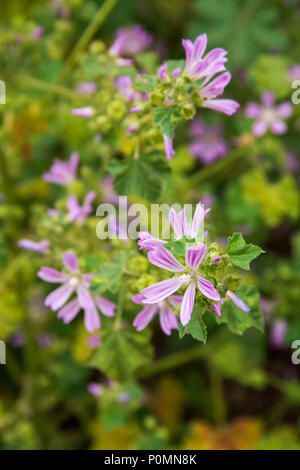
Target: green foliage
(196, 326)
(240, 253)
(142, 176)
(121, 353)
(163, 119)
(237, 321)
(244, 28)
(269, 72)
(108, 276)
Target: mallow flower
(62, 172)
(203, 67)
(167, 318)
(75, 282)
(268, 115)
(190, 276)
(208, 143)
(40, 247)
(77, 213)
(130, 41)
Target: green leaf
(108, 276)
(176, 247)
(140, 177)
(175, 64)
(240, 253)
(121, 353)
(238, 322)
(146, 84)
(196, 326)
(163, 119)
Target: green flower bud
(187, 111)
(116, 110)
(179, 83)
(138, 264)
(101, 124)
(145, 281)
(97, 47)
(157, 97)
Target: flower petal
(52, 275)
(91, 319)
(238, 302)
(168, 320)
(69, 311)
(84, 297)
(162, 258)
(187, 304)
(70, 261)
(207, 289)
(194, 255)
(105, 306)
(145, 317)
(216, 308)
(161, 290)
(228, 107)
(59, 296)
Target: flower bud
(156, 98)
(187, 111)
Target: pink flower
(294, 72)
(95, 389)
(40, 247)
(189, 277)
(208, 144)
(62, 172)
(86, 112)
(74, 282)
(167, 318)
(210, 90)
(269, 116)
(37, 33)
(86, 88)
(278, 333)
(130, 41)
(198, 66)
(124, 86)
(182, 227)
(78, 213)
(169, 149)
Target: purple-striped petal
(169, 149)
(59, 296)
(168, 320)
(216, 308)
(198, 218)
(105, 306)
(187, 304)
(207, 289)
(91, 320)
(84, 297)
(145, 317)
(162, 258)
(238, 302)
(228, 107)
(177, 221)
(69, 311)
(175, 300)
(70, 261)
(161, 290)
(52, 275)
(194, 255)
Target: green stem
(121, 298)
(171, 362)
(5, 177)
(89, 33)
(50, 88)
(217, 169)
(217, 396)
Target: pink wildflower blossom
(62, 172)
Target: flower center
(74, 281)
(268, 115)
(186, 278)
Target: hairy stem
(171, 362)
(89, 33)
